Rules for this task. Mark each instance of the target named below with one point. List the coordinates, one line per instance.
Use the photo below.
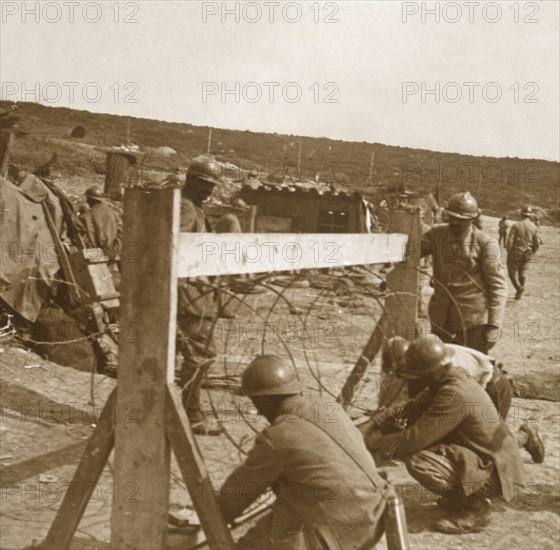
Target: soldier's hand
(492, 333)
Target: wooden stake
(194, 472)
(84, 481)
(400, 315)
(146, 365)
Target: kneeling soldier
(451, 438)
(328, 491)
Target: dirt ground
(49, 411)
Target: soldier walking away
(465, 454)
(328, 491)
(522, 244)
(470, 290)
(196, 312)
(502, 231)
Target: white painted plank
(228, 254)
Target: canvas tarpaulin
(28, 256)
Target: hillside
(502, 185)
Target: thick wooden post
(6, 140)
(401, 304)
(146, 366)
(119, 170)
(400, 314)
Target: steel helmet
(527, 211)
(463, 206)
(270, 375)
(392, 356)
(424, 357)
(95, 192)
(206, 170)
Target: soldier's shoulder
(482, 238)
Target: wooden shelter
(298, 210)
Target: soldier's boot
(533, 444)
(472, 518)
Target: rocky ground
(48, 411)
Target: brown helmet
(270, 375)
(206, 170)
(463, 206)
(424, 357)
(96, 193)
(394, 350)
(527, 211)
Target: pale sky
(362, 59)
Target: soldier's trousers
(517, 264)
(196, 343)
(437, 469)
(500, 391)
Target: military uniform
(195, 316)
(522, 243)
(102, 226)
(325, 481)
(470, 289)
(455, 443)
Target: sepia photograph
(279, 275)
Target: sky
(483, 79)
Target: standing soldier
(470, 289)
(328, 491)
(522, 244)
(102, 224)
(196, 310)
(502, 231)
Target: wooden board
(146, 365)
(84, 481)
(229, 254)
(194, 472)
(400, 313)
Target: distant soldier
(470, 290)
(522, 244)
(196, 310)
(102, 225)
(502, 231)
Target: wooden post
(400, 314)
(6, 140)
(120, 169)
(84, 481)
(191, 464)
(146, 366)
(401, 304)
